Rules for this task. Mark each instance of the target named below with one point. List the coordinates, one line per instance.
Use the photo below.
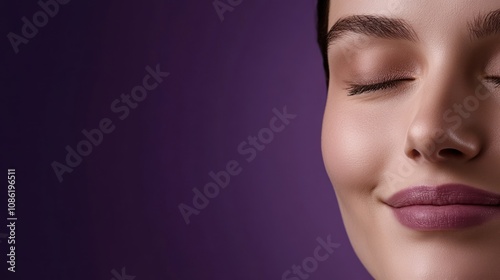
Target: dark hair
(322, 9)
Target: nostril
(450, 153)
(414, 154)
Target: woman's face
(412, 119)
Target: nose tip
(440, 145)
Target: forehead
(436, 22)
(426, 14)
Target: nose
(443, 127)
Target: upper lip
(448, 194)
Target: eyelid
(385, 83)
(360, 88)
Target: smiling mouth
(445, 207)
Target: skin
(377, 143)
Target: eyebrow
(374, 26)
(395, 28)
(485, 25)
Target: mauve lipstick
(445, 207)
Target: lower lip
(445, 217)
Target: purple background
(119, 207)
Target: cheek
(355, 146)
(360, 140)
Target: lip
(444, 207)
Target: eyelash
(494, 80)
(356, 89)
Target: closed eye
(355, 89)
(494, 80)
